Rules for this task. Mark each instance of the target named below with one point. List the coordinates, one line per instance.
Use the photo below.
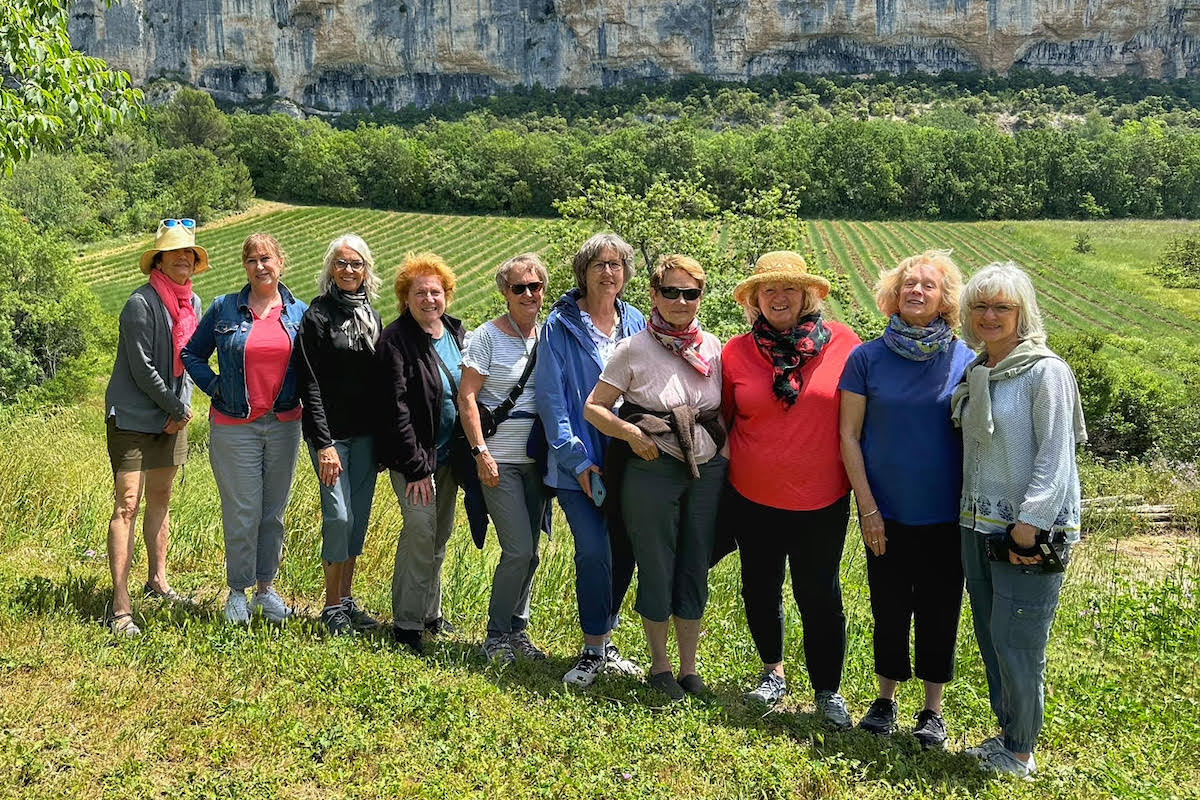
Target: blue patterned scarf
(916, 343)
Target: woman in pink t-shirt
(791, 497)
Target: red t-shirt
(782, 456)
(268, 351)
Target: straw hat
(176, 237)
(780, 266)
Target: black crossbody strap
(504, 409)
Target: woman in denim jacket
(255, 421)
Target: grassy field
(195, 709)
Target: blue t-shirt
(447, 348)
(912, 451)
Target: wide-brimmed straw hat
(780, 266)
(174, 237)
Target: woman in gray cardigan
(148, 407)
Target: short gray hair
(1004, 279)
(523, 261)
(371, 280)
(591, 248)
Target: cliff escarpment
(347, 54)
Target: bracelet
(864, 516)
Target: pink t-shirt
(268, 351)
(782, 456)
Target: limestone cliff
(346, 54)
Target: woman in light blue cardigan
(1021, 419)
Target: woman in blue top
(576, 342)
(904, 460)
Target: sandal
(123, 625)
(170, 594)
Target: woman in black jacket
(335, 366)
(420, 357)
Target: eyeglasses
(999, 308)
(606, 266)
(353, 266)
(186, 222)
(674, 292)
(533, 287)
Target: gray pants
(420, 551)
(253, 465)
(516, 508)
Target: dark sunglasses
(673, 293)
(533, 287)
(186, 222)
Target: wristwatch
(480, 449)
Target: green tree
(49, 91)
(193, 118)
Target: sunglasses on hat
(186, 222)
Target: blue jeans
(602, 577)
(1013, 607)
(253, 465)
(346, 506)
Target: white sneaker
(986, 748)
(237, 610)
(589, 665)
(272, 605)
(1004, 762)
(619, 664)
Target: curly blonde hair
(887, 290)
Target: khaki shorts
(134, 451)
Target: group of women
(658, 442)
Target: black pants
(919, 581)
(812, 541)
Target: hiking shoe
(440, 627)
(237, 610)
(1004, 762)
(665, 683)
(589, 665)
(523, 646)
(409, 639)
(930, 730)
(271, 605)
(833, 707)
(123, 626)
(497, 650)
(770, 690)
(361, 620)
(617, 663)
(986, 748)
(336, 620)
(694, 685)
(881, 717)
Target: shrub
(1178, 267)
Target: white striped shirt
(501, 359)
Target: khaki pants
(420, 551)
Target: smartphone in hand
(598, 490)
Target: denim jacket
(225, 328)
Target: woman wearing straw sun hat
(790, 497)
(148, 405)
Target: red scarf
(684, 343)
(178, 300)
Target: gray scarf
(979, 375)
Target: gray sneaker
(771, 689)
(524, 647)
(271, 604)
(336, 620)
(986, 748)
(832, 706)
(618, 664)
(497, 650)
(237, 610)
(1003, 762)
(361, 620)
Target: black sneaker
(880, 718)
(410, 639)
(930, 730)
(440, 627)
(361, 620)
(336, 620)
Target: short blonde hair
(887, 290)
(813, 302)
(523, 261)
(416, 265)
(675, 261)
(371, 279)
(268, 243)
(1004, 279)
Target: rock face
(345, 54)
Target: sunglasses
(186, 222)
(533, 287)
(674, 292)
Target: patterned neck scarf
(916, 343)
(178, 300)
(684, 343)
(789, 351)
(359, 326)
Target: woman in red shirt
(791, 497)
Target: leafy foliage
(1179, 265)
